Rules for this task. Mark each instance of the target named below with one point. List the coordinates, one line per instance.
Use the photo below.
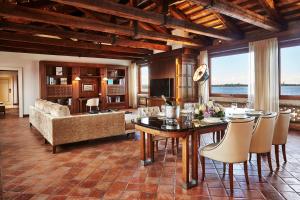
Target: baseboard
(25, 115)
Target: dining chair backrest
(235, 144)
(262, 137)
(282, 127)
(148, 111)
(92, 102)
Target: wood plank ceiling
(133, 29)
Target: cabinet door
(186, 86)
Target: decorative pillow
(59, 111)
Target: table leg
(142, 147)
(150, 147)
(194, 159)
(222, 134)
(185, 162)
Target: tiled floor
(110, 169)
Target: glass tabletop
(179, 124)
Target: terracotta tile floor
(110, 169)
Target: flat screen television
(160, 87)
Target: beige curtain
(204, 88)
(263, 90)
(133, 84)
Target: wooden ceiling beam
(229, 24)
(35, 15)
(109, 7)
(270, 7)
(76, 51)
(238, 12)
(60, 53)
(83, 36)
(68, 43)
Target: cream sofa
(58, 127)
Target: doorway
(11, 92)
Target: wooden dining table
(153, 126)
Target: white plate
(255, 112)
(238, 116)
(212, 120)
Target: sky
(234, 68)
(290, 65)
(230, 69)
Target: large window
(229, 75)
(144, 79)
(290, 71)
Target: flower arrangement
(210, 109)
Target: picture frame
(88, 88)
(59, 71)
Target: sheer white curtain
(133, 84)
(263, 91)
(203, 89)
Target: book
(63, 81)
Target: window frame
(221, 54)
(139, 79)
(281, 46)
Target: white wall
(30, 65)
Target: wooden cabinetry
(106, 82)
(179, 65)
(116, 87)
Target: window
(229, 75)
(290, 71)
(144, 79)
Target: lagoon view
(224, 89)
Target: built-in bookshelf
(58, 84)
(116, 92)
(73, 84)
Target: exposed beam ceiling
(270, 7)
(69, 43)
(9, 48)
(35, 15)
(109, 7)
(83, 36)
(232, 10)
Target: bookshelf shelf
(58, 84)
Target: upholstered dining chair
(152, 112)
(261, 142)
(233, 148)
(94, 102)
(281, 133)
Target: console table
(152, 126)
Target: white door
(4, 90)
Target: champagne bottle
(166, 101)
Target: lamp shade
(201, 74)
(77, 78)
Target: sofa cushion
(48, 106)
(59, 110)
(148, 111)
(39, 104)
